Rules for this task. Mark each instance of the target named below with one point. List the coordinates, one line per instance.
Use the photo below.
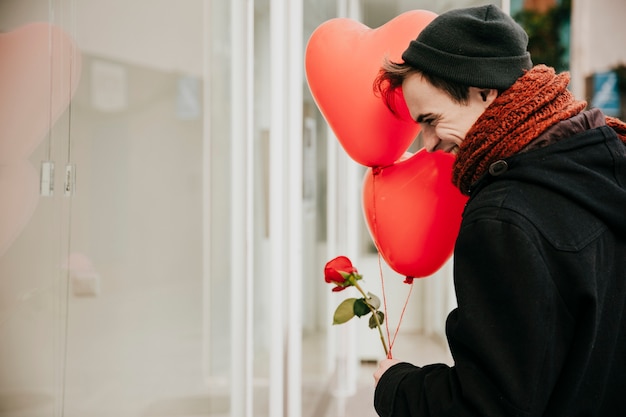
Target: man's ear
(485, 95)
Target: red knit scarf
(538, 100)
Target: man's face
(443, 121)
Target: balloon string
(382, 282)
(375, 172)
(406, 303)
(409, 280)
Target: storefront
(167, 227)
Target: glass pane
(316, 365)
(102, 308)
(218, 151)
(34, 213)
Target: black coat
(540, 279)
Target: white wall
(119, 35)
(598, 39)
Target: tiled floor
(138, 353)
(150, 397)
(414, 348)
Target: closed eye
(428, 119)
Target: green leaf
(344, 312)
(381, 319)
(361, 308)
(373, 301)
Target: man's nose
(429, 138)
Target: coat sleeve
(507, 335)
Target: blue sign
(606, 93)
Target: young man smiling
(540, 259)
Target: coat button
(498, 168)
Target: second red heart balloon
(414, 212)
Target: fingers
(382, 367)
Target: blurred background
(170, 193)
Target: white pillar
(242, 203)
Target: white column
(294, 138)
(285, 203)
(581, 39)
(343, 211)
(242, 225)
(206, 193)
(277, 207)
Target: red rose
(338, 271)
(343, 274)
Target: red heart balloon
(414, 212)
(40, 69)
(342, 60)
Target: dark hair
(392, 74)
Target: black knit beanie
(476, 46)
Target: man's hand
(382, 367)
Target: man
(540, 259)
